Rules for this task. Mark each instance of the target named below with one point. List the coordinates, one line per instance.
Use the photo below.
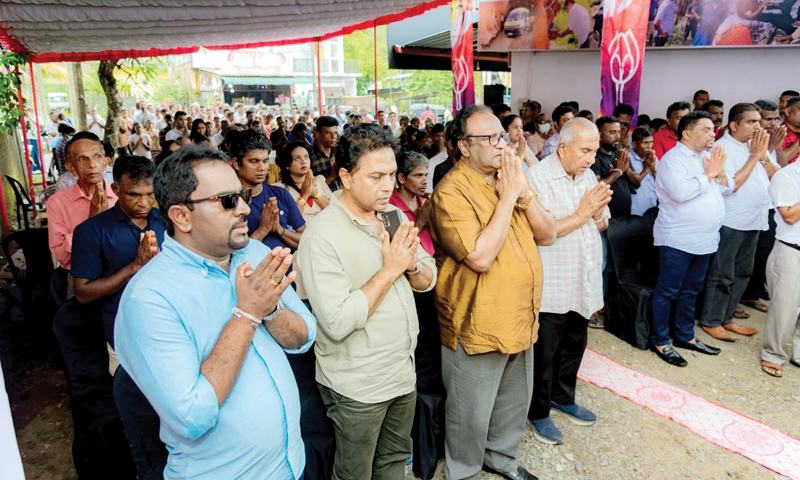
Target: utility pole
(77, 99)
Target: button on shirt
(573, 264)
(785, 192)
(104, 245)
(368, 358)
(494, 311)
(644, 198)
(170, 318)
(691, 209)
(65, 210)
(748, 207)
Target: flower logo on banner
(625, 59)
(614, 7)
(460, 81)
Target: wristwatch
(417, 269)
(278, 310)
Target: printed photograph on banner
(539, 25)
(702, 23)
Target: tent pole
(25, 142)
(319, 76)
(4, 210)
(375, 50)
(38, 128)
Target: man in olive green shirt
(360, 285)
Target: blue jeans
(681, 277)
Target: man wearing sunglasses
(274, 218)
(204, 327)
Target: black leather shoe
(520, 474)
(670, 356)
(697, 347)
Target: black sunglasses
(229, 201)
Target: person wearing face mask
(542, 133)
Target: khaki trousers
(783, 318)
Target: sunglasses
(229, 201)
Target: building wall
(731, 74)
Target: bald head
(577, 145)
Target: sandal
(757, 304)
(739, 313)
(596, 321)
(772, 369)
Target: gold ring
(274, 282)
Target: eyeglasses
(229, 201)
(493, 139)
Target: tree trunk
(11, 165)
(106, 74)
(75, 80)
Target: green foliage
(135, 69)
(10, 81)
(430, 81)
(360, 46)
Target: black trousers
(557, 356)
(766, 240)
(728, 275)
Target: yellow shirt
(495, 311)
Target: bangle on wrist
(617, 170)
(254, 321)
(575, 219)
(525, 204)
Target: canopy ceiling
(80, 30)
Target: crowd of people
(300, 296)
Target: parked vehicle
(57, 100)
(518, 22)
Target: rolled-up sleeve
(150, 341)
(292, 302)
(338, 308)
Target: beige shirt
(320, 186)
(369, 359)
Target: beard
(233, 243)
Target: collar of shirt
(397, 200)
(77, 193)
(119, 216)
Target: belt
(792, 245)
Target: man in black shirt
(612, 166)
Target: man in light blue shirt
(203, 327)
(746, 215)
(643, 165)
(689, 185)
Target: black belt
(796, 247)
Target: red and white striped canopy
(80, 30)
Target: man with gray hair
(487, 223)
(568, 188)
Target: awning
(433, 53)
(267, 80)
(81, 30)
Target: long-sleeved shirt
(368, 358)
(644, 198)
(65, 210)
(691, 209)
(169, 320)
(748, 207)
(573, 265)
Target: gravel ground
(628, 441)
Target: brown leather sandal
(772, 369)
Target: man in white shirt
(643, 165)
(239, 116)
(95, 122)
(783, 274)
(579, 23)
(665, 21)
(689, 185)
(746, 214)
(179, 127)
(140, 142)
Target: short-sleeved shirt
(620, 205)
(573, 265)
(666, 13)
(747, 208)
(550, 145)
(785, 192)
(494, 311)
(664, 140)
(644, 198)
(170, 319)
(321, 163)
(142, 149)
(290, 217)
(312, 206)
(61, 157)
(368, 358)
(104, 245)
(791, 137)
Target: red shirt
(664, 141)
(424, 235)
(791, 137)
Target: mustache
(241, 223)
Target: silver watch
(278, 310)
(417, 269)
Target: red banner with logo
(461, 56)
(622, 53)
